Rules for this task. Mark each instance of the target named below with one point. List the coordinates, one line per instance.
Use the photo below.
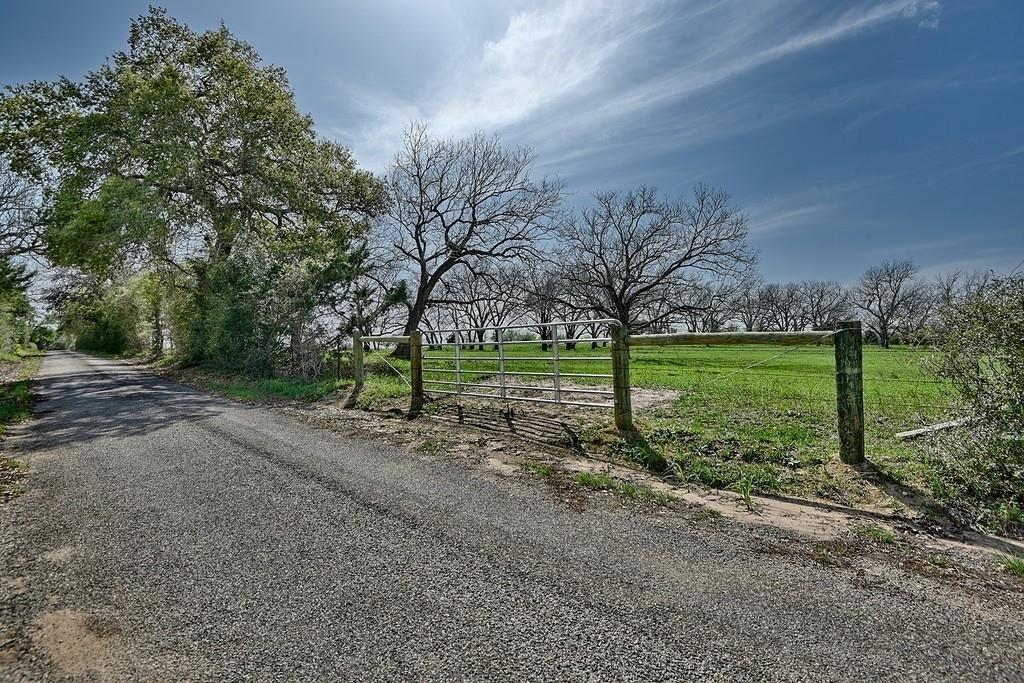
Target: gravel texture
(170, 535)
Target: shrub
(978, 471)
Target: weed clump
(875, 533)
(605, 482)
(1013, 564)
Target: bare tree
(633, 255)
(891, 298)
(824, 303)
(483, 297)
(19, 205)
(544, 300)
(956, 286)
(709, 304)
(783, 307)
(748, 302)
(454, 203)
(508, 294)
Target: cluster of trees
(185, 203)
(182, 195)
(893, 300)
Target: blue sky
(850, 132)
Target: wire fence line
(799, 380)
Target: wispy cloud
(1016, 151)
(579, 73)
(777, 216)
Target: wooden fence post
(620, 378)
(850, 391)
(337, 357)
(416, 371)
(357, 358)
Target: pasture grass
(17, 371)
(770, 428)
(875, 533)
(16, 390)
(382, 387)
(277, 388)
(542, 470)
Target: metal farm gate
(488, 362)
(463, 370)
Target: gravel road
(169, 535)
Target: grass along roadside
(383, 387)
(606, 482)
(1014, 564)
(16, 373)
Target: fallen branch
(914, 433)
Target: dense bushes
(979, 471)
(103, 320)
(15, 310)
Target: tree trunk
(419, 307)
(156, 340)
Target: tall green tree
(176, 153)
(16, 311)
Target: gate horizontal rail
(465, 362)
(560, 323)
(703, 338)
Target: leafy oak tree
(186, 154)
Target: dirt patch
(78, 644)
(60, 555)
(501, 466)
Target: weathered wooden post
(416, 371)
(620, 377)
(850, 391)
(357, 359)
(337, 357)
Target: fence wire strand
(397, 371)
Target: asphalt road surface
(169, 535)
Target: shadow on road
(74, 405)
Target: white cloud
(774, 217)
(577, 74)
(544, 56)
(925, 11)
(1013, 152)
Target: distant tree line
(186, 204)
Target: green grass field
(725, 424)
